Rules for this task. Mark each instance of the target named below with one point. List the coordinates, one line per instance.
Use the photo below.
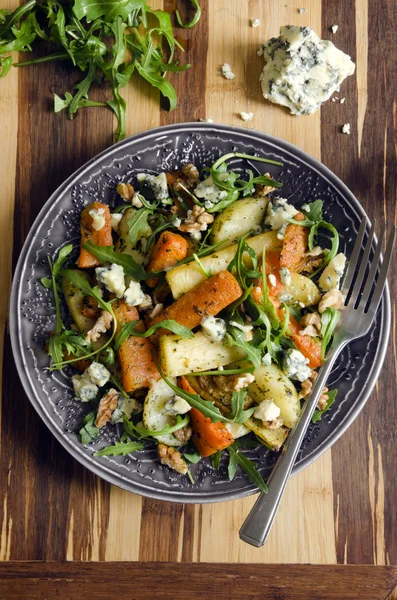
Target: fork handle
(257, 525)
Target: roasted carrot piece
(294, 244)
(169, 249)
(208, 437)
(206, 299)
(102, 237)
(309, 347)
(272, 268)
(135, 354)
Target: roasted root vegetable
(168, 250)
(124, 245)
(185, 277)
(274, 438)
(294, 244)
(208, 437)
(237, 220)
(90, 231)
(135, 353)
(272, 384)
(75, 301)
(154, 417)
(310, 347)
(179, 356)
(207, 299)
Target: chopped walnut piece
(126, 191)
(107, 406)
(311, 260)
(261, 191)
(307, 388)
(197, 220)
(128, 194)
(101, 326)
(207, 383)
(188, 177)
(172, 458)
(90, 307)
(311, 323)
(233, 383)
(276, 424)
(332, 299)
(184, 434)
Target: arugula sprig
(120, 449)
(329, 320)
(237, 405)
(107, 254)
(231, 182)
(247, 465)
(106, 40)
(142, 432)
(207, 408)
(315, 221)
(63, 340)
(77, 280)
(319, 413)
(128, 329)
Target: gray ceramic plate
(33, 315)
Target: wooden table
(341, 509)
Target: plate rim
(99, 468)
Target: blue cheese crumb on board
(302, 71)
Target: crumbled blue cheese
(133, 294)
(333, 272)
(243, 328)
(115, 219)
(227, 71)
(302, 71)
(346, 128)
(98, 374)
(158, 184)
(207, 120)
(176, 406)
(84, 389)
(98, 218)
(285, 276)
(295, 365)
(125, 406)
(255, 22)
(207, 190)
(301, 11)
(246, 116)
(267, 411)
(112, 278)
(237, 430)
(334, 28)
(267, 359)
(272, 279)
(213, 328)
(277, 215)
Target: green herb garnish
(107, 40)
(120, 449)
(319, 413)
(107, 254)
(248, 466)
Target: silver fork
(356, 319)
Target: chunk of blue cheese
(302, 71)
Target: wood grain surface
(341, 509)
(186, 581)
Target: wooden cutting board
(343, 507)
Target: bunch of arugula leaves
(107, 40)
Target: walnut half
(172, 458)
(107, 406)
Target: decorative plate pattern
(33, 314)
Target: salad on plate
(197, 313)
